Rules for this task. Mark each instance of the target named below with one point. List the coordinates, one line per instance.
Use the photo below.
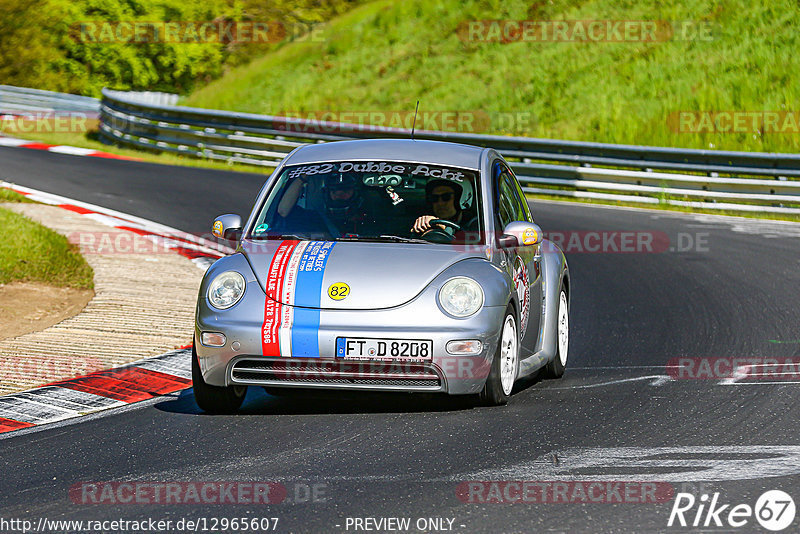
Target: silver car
(382, 265)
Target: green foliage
(52, 44)
(385, 55)
(26, 45)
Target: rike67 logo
(774, 510)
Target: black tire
(555, 368)
(492, 393)
(215, 399)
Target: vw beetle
(383, 265)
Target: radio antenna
(414, 125)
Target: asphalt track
(615, 416)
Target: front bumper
(241, 360)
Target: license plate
(358, 348)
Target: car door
(523, 264)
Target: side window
(520, 195)
(511, 196)
(505, 211)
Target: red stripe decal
(270, 344)
(130, 384)
(7, 425)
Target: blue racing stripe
(305, 330)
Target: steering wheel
(445, 222)
(438, 235)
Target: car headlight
(226, 290)
(461, 296)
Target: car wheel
(555, 369)
(214, 399)
(505, 364)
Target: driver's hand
(422, 224)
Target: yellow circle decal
(529, 236)
(217, 230)
(338, 291)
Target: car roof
(433, 152)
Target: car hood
(377, 275)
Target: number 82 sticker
(338, 291)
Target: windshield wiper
(280, 236)
(382, 239)
(401, 239)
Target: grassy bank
(383, 56)
(7, 195)
(31, 252)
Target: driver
(444, 198)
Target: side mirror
(227, 226)
(520, 234)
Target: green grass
(385, 55)
(31, 252)
(7, 195)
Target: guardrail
(26, 101)
(22, 101)
(742, 181)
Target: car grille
(337, 374)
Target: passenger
(344, 205)
(344, 212)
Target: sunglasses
(445, 197)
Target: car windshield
(373, 201)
